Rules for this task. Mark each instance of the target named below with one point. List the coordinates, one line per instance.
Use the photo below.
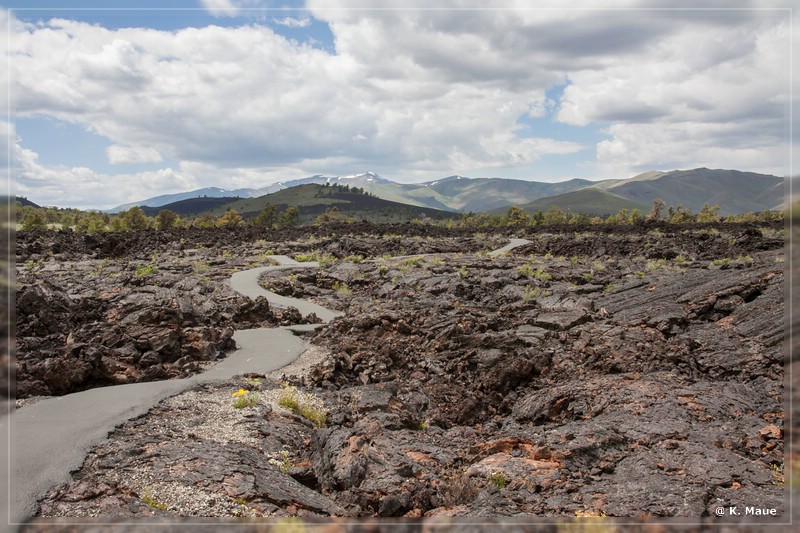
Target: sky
(114, 102)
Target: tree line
(32, 218)
(517, 217)
(39, 218)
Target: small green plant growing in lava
(303, 404)
(354, 259)
(148, 499)
(200, 267)
(282, 460)
(244, 398)
(528, 271)
(146, 271)
(342, 288)
(253, 383)
(499, 479)
(531, 293)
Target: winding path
(51, 438)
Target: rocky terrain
(97, 311)
(619, 372)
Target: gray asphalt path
(246, 283)
(52, 437)
(510, 246)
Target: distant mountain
(591, 200)
(24, 201)
(732, 190)
(360, 180)
(313, 199)
(191, 206)
(485, 194)
(208, 192)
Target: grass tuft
(303, 404)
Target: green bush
(146, 271)
(529, 271)
(303, 404)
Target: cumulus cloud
(84, 187)
(629, 63)
(230, 8)
(246, 96)
(221, 8)
(417, 92)
(634, 147)
(118, 154)
(291, 22)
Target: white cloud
(291, 22)
(221, 8)
(118, 154)
(230, 8)
(84, 187)
(695, 98)
(248, 97)
(418, 93)
(634, 148)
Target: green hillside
(591, 201)
(485, 194)
(732, 190)
(314, 199)
(190, 207)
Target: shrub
(267, 217)
(333, 216)
(205, 221)
(148, 499)
(656, 264)
(134, 219)
(282, 460)
(324, 260)
(33, 221)
(289, 218)
(499, 479)
(531, 293)
(303, 404)
(146, 271)
(200, 267)
(516, 216)
(342, 288)
(528, 271)
(245, 398)
(708, 214)
(230, 219)
(412, 262)
(167, 219)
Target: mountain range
(734, 191)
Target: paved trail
(51, 438)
